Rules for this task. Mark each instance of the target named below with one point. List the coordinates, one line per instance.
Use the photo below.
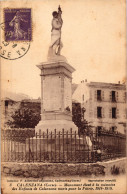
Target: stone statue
(56, 43)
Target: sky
(93, 35)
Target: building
(103, 105)
(8, 107)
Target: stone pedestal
(56, 96)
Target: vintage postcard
(63, 96)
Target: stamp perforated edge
(31, 25)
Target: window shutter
(110, 113)
(110, 129)
(103, 95)
(90, 95)
(124, 96)
(103, 113)
(83, 97)
(117, 113)
(117, 97)
(95, 112)
(125, 113)
(90, 111)
(95, 95)
(110, 96)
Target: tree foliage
(78, 119)
(27, 116)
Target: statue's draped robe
(18, 32)
(56, 32)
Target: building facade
(103, 105)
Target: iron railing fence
(65, 146)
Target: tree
(27, 116)
(78, 119)
(76, 114)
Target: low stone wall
(39, 170)
(116, 167)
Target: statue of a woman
(15, 22)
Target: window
(6, 103)
(99, 128)
(99, 95)
(114, 113)
(113, 129)
(99, 112)
(113, 96)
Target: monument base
(59, 125)
(57, 58)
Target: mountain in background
(21, 96)
(14, 96)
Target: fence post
(51, 146)
(25, 151)
(43, 144)
(67, 143)
(71, 143)
(118, 145)
(29, 148)
(88, 149)
(10, 147)
(36, 145)
(22, 152)
(55, 144)
(79, 147)
(47, 145)
(40, 142)
(63, 143)
(18, 151)
(32, 149)
(75, 146)
(59, 144)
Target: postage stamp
(18, 24)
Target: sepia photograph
(63, 96)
